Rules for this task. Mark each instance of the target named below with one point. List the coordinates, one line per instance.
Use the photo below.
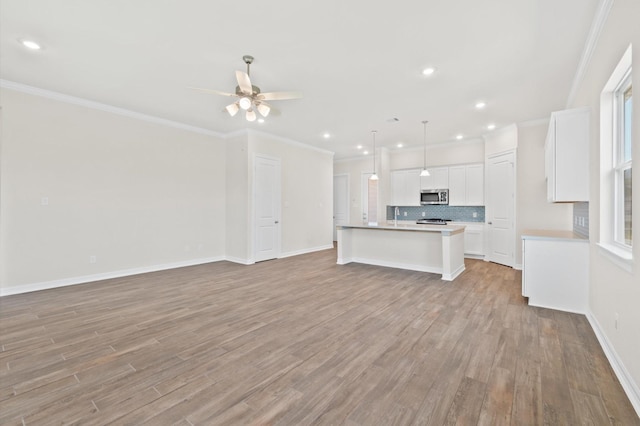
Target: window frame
(620, 164)
(620, 254)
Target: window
(616, 161)
(623, 98)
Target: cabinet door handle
(276, 221)
(489, 223)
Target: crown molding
(286, 141)
(600, 18)
(56, 96)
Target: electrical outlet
(44, 201)
(424, 214)
(615, 320)
(404, 214)
(92, 259)
(475, 214)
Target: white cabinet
(555, 272)
(475, 184)
(473, 239)
(567, 156)
(438, 179)
(405, 187)
(457, 186)
(466, 185)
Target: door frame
(487, 246)
(348, 214)
(254, 210)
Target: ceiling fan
(250, 98)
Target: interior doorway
(500, 208)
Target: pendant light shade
(233, 109)
(374, 176)
(263, 109)
(424, 171)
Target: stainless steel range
(432, 221)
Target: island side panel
(413, 250)
(344, 236)
(452, 255)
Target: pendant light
(374, 176)
(424, 171)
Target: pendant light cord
(425, 144)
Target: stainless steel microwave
(434, 196)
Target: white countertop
(449, 229)
(548, 234)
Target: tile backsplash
(581, 219)
(457, 213)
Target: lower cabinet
(555, 271)
(473, 239)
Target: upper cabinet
(466, 185)
(405, 187)
(438, 179)
(567, 156)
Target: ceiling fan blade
(263, 109)
(279, 96)
(244, 82)
(232, 109)
(251, 115)
(214, 92)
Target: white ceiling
(358, 63)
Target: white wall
(307, 192)
(613, 290)
(132, 193)
(533, 211)
(237, 199)
(442, 154)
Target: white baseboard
(518, 266)
(628, 384)
(305, 251)
(46, 285)
(239, 260)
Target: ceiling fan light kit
(251, 99)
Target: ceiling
(358, 63)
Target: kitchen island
(437, 249)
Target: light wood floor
(299, 341)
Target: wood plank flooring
(301, 341)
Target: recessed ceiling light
(359, 146)
(260, 120)
(30, 44)
(365, 153)
(428, 71)
(400, 145)
(458, 137)
(491, 126)
(481, 104)
(326, 135)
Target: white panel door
(340, 202)
(266, 187)
(500, 208)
